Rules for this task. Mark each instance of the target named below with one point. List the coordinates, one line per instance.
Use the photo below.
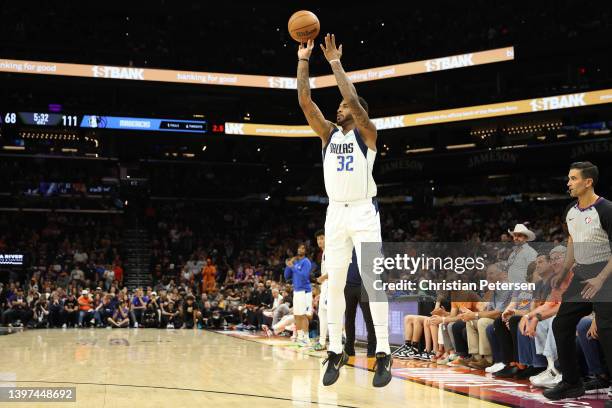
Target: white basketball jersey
(347, 167)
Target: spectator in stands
(189, 312)
(118, 272)
(77, 274)
(209, 274)
(522, 255)
(588, 342)
(495, 302)
(453, 328)
(538, 322)
(103, 311)
(71, 311)
(137, 307)
(152, 312)
(170, 316)
(56, 310)
(120, 317)
(109, 277)
(86, 311)
(18, 311)
(40, 309)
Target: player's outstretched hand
(304, 50)
(330, 50)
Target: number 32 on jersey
(345, 163)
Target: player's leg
(365, 228)
(379, 305)
(429, 344)
(299, 310)
(323, 316)
(338, 251)
(307, 317)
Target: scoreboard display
(74, 121)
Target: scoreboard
(75, 121)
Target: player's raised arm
(348, 91)
(317, 122)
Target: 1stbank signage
(118, 72)
(558, 102)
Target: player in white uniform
(352, 214)
(322, 308)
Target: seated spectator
(491, 308)
(40, 309)
(71, 311)
(189, 312)
(170, 317)
(152, 313)
(18, 311)
(137, 307)
(56, 310)
(86, 311)
(120, 317)
(104, 311)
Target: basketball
(303, 26)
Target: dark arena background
(158, 180)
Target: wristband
(337, 59)
(303, 59)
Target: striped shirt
(591, 230)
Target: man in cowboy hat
(522, 255)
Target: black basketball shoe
(334, 362)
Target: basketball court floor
(194, 368)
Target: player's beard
(343, 120)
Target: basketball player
(298, 269)
(352, 214)
(589, 222)
(322, 308)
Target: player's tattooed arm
(348, 91)
(314, 117)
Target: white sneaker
(495, 368)
(542, 375)
(64, 326)
(303, 343)
(548, 381)
(135, 325)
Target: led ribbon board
(441, 116)
(254, 81)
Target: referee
(589, 223)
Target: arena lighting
(13, 147)
(461, 146)
(512, 147)
(255, 81)
(524, 106)
(420, 150)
